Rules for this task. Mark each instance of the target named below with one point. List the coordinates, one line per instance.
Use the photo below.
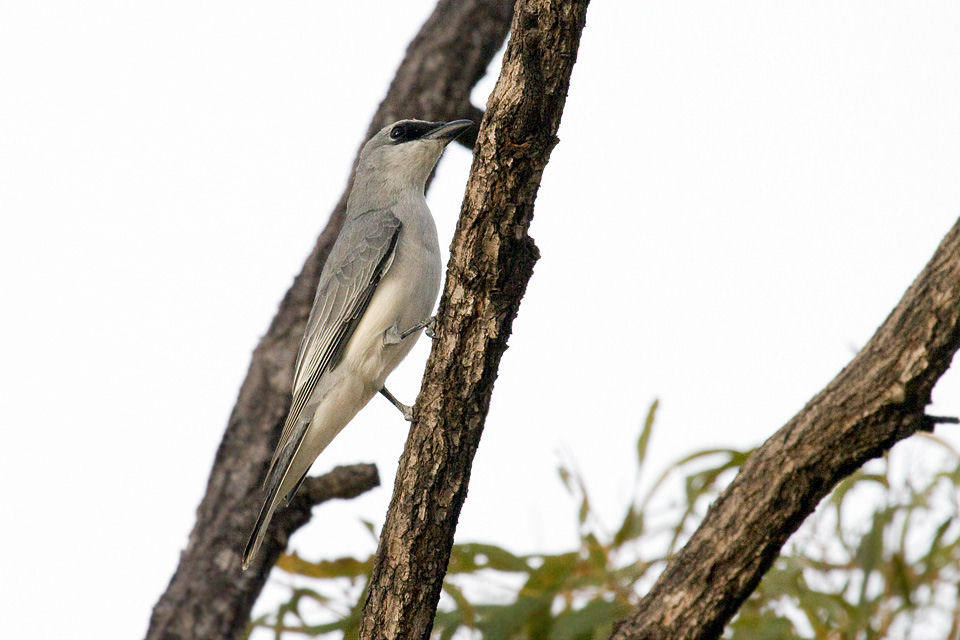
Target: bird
(375, 294)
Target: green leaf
(630, 529)
(583, 623)
(734, 458)
(464, 610)
(471, 557)
(584, 510)
(505, 622)
(870, 551)
(446, 623)
(764, 625)
(369, 526)
(596, 555)
(854, 480)
(551, 575)
(338, 568)
(644, 438)
(900, 579)
(935, 544)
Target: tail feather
(258, 533)
(274, 481)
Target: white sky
(741, 194)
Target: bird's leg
(393, 335)
(430, 324)
(406, 410)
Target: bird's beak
(448, 130)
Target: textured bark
(491, 261)
(877, 400)
(207, 596)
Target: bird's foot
(405, 409)
(431, 328)
(392, 335)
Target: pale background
(741, 194)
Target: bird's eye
(396, 133)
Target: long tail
(259, 531)
(279, 469)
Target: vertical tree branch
(876, 401)
(491, 261)
(208, 597)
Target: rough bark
(876, 401)
(208, 597)
(491, 261)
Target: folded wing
(358, 260)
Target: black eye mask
(408, 131)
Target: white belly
(404, 297)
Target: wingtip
(253, 545)
(247, 559)
(255, 541)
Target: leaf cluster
(879, 559)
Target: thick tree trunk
(876, 401)
(491, 261)
(208, 597)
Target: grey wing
(361, 255)
(359, 258)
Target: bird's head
(404, 153)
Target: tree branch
(207, 598)
(491, 261)
(876, 401)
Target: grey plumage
(380, 280)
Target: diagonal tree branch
(343, 483)
(208, 598)
(491, 261)
(876, 401)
